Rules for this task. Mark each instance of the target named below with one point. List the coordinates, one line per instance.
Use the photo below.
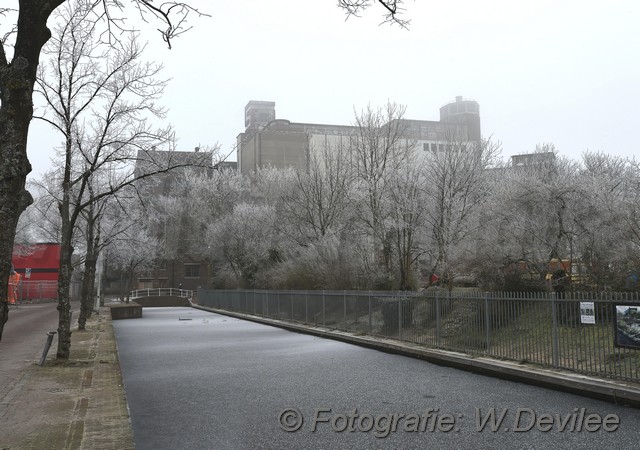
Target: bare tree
(631, 205)
(611, 239)
(28, 34)
(380, 147)
(133, 249)
(406, 220)
(317, 201)
(541, 213)
(244, 240)
(456, 187)
(100, 99)
(92, 226)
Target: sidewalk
(74, 404)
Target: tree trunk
(11, 206)
(86, 298)
(130, 273)
(90, 262)
(66, 252)
(405, 260)
(64, 303)
(16, 109)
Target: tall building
(268, 141)
(466, 114)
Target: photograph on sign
(627, 326)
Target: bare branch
(393, 10)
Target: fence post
(437, 317)
(400, 318)
(487, 322)
(344, 308)
(555, 350)
(323, 318)
(370, 315)
(306, 307)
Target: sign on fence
(587, 312)
(627, 326)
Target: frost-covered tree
(406, 221)
(456, 185)
(379, 148)
(101, 99)
(318, 199)
(25, 32)
(132, 250)
(245, 241)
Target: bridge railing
(161, 292)
(590, 333)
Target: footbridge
(157, 297)
(162, 297)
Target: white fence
(161, 292)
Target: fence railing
(574, 331)
(161, 292)
(34, 291)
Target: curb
(573, 383)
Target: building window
(145, 283)
(425, 147)
(192, 270)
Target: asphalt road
(25, 330)
(199, 380)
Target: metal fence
(161, 292)
(35, 291)
(572, 331)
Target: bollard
(47, 346)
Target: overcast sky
(566, 72)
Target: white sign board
(587, 312)
(27, 273)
